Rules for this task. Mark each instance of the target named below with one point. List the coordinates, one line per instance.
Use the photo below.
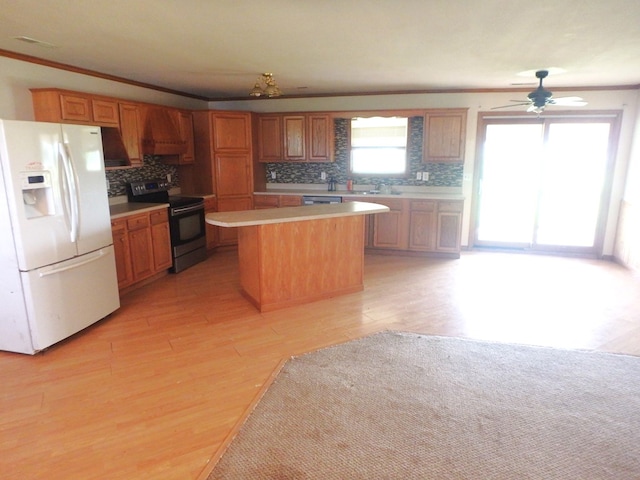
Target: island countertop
(247, 218)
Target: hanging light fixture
(270, 89)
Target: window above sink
(378, 146)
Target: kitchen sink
(373, 192)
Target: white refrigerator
(57, 265)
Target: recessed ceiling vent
(34, 41)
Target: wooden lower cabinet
(448, 228)
(414, 226)
(229, 236)
(275, 201)
(142, 245)
(390, 229)
(122, 252)
(435, 226)
(160, 240)
(211, 206)
(290, 201)
(423, 221)
(265, 201)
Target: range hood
(161, 135)
(115, 154)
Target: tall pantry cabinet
(223, 163)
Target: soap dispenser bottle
(332, 184)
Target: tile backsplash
(152, 168)
(440, 174)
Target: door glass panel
(575, 163)
(541, 184)
(510, 172)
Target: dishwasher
(320, 199)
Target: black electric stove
(186, 220)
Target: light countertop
(124, 209)
(363, 192)
(247, 218)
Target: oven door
(187, 228)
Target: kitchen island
(294, 255)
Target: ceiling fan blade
(514, 105)
(568, 101)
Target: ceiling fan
(540, 98)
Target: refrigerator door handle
(70, 192)
(92, 258)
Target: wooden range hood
(161, 135)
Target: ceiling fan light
(271, 89)
(256, 91)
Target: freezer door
(83, 145)
(28, 152)
(64, 298)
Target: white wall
(625, 100)
(17, 77)
(627, 246)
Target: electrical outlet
(419, 176)
(273, 175)
(107, 184)
(425, 176)
(169, 177)
(323, 176)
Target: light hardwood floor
(150, 392)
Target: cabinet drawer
(265, 201)
(159, 216)
(118, 225)
(392, 203)
(290, 200)
(423, 206)
(138, 222)
(455, 206)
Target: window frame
(384, 114)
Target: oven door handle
(187, 209)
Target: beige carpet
(405, 406)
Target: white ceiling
(217, 48)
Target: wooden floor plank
(153, 390)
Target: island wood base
(286, 264)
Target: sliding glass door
(541, 183)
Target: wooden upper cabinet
(185, 124)
(319, 138)
(232, 131)
(63, 106)
(130, 131)
(105, 112)
(270, 138)
(233, 174)
(444, 135)
(75, 107)
(294, 137)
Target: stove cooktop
(179, 201)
